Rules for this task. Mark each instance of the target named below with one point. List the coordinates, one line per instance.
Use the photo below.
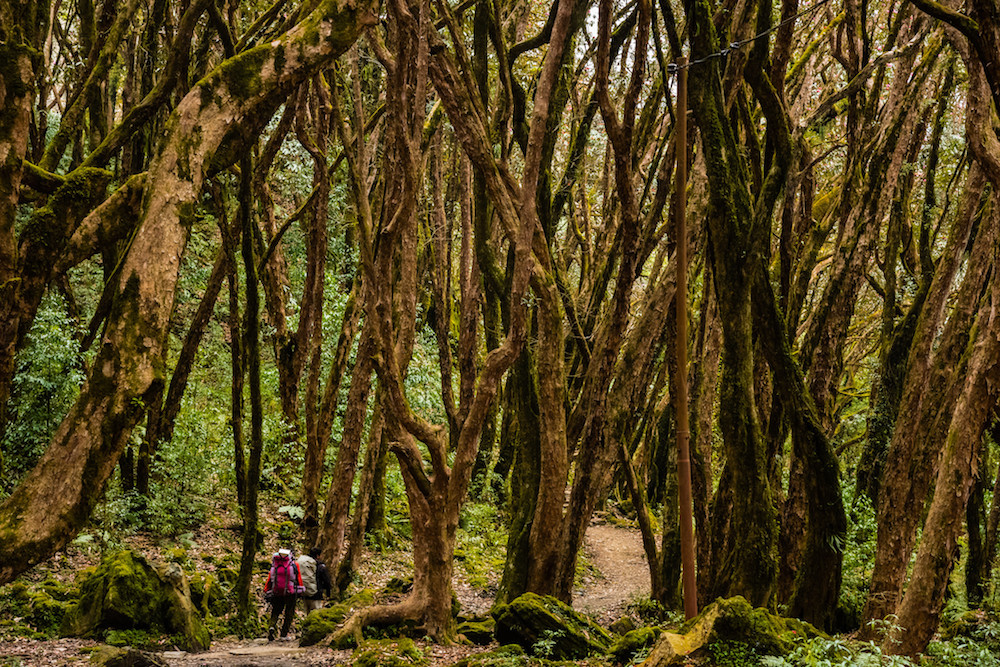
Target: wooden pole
(683, 430)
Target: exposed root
(378, 615)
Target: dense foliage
(407, 275)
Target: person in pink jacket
(284, 584)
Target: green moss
(735, 620)
(389, 653)
(632, 642)
(46, 613)
(733, 654)
(477, 632)
(286, 531)
(11, 53)
(126, 593)
(241, 74)
(207, 595)
(177, 555)
(509, 655)
(321, 623)
(60, 590)
(549, 628)
(19, 592)
(397, 586)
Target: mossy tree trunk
(318, 436)
(523, 433)
(745, 562)
(920, 609)
(163, 410)
(251, 348)
(16, 93)
(233, 103)
(975, 585)
(436, 494)
(911, 458)
(949, 367)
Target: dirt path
(618, 556)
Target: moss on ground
(388, 653)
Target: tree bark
(921, 606)
(911, 461)
(251, 347)
(746, 560)
(16, 95)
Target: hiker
(284, 584)
(307, 566)
(321, 587)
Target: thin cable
(733, 46)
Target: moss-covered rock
(477, 632)
(730, 620)
(626, 648)
(549, 628)
(320, 624)
(19, 592)
(126, 592)
(46, 613)
(623, 626)
(964, 625)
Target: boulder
(321, 623)
(45, 612)
(479, 632)
(549, 628)
(730, 620)
(126, 592)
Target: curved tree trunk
(231, 104)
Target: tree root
(409, 609)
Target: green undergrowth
(482, 542)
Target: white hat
(285, 552)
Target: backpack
(307, 568)
(284, 578)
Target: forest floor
(617, 574)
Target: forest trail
(620, 575)
(616, 553)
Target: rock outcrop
(730, 620)
(127, 592)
